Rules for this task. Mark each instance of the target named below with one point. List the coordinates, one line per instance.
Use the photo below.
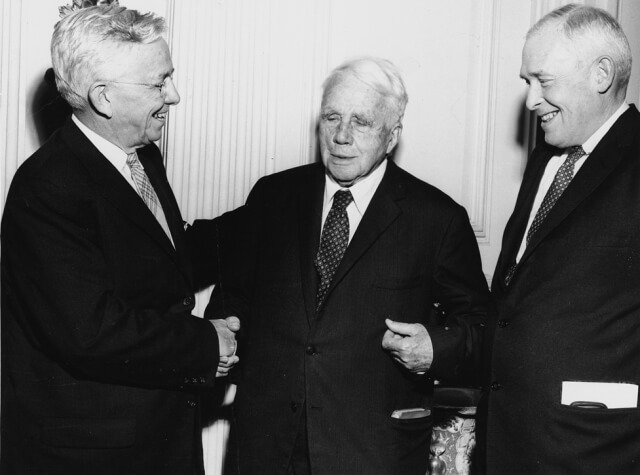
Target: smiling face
(139, 109)
(562, 87)
(354, 134)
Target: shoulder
(418, 193)
(302, 173)
(290, 182)
(55, 173)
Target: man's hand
(226, 330)
(409, 344)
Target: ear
(605, 72)
(99, 99)
(394, 136)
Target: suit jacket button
(294, 407)
(503, 323)
(311, 350)
(187, 301)
(495, 386)
(191, 403)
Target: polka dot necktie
(333, 242)
(560, 182)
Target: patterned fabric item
(333, 242)
(560, 182)
(562, 179)
(146, 191)
(143, 185)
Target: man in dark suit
(102, 361)
(563, 393)
(339, 351)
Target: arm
(452, 350)
(85, 305)
(237, 236)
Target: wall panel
(250, 71)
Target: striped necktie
(146, 191)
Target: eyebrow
(165, 74)
(534, 74)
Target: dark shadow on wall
(49, 109)
(529, 133)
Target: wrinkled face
(561, 88)
(354, 136)
(141, 91)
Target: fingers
(233, 323)
(405, 329)
(226, 336)
(391, 341)
(225, 365)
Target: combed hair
(85, 40)
(596, 26)
(380, 75)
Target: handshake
(226, 330)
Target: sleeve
(237, 251)
(68, 297)
(461, 290)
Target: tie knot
(575, 153)
(132, 159)
(342, 198)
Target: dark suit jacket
(413, 247)
(571, 313)
(97, 333)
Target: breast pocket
(402, 298)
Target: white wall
(249, 73)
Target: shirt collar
(362, 191)
(594, 140)
(112, 152)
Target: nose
(534, 96)
(172, 97)
(343, 134)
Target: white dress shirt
(556, 162)
(118, 158)
(362, 192)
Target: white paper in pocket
(612, 395)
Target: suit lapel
(607, 155)
(309, 220)
(114, 188)
(514, 231)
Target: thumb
(405, 329)
(233, 323)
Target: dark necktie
(146, 191)
(562, 179)
(560, 182)
(333, 242)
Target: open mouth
(161, 116)
(549, 116)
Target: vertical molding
(221, 137)
(479, 141)
(249, 74)
(317, 50)
(12, 92)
